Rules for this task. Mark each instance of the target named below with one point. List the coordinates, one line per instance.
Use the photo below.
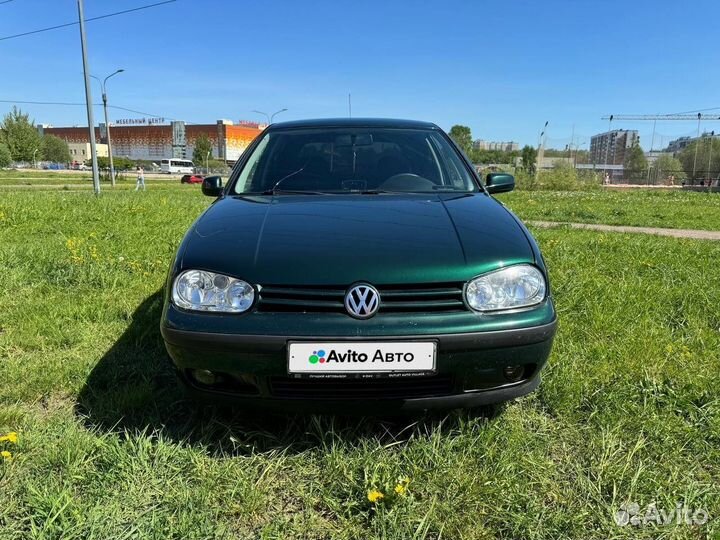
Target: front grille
(353, 388)
(437, 297)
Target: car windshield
(353, 160)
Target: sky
(502, 68)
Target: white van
(177, 166)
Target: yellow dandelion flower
(6, 455)
(10, 437)
(374, 495)
(401, 489)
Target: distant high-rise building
(481, 144)
(679, 144)
(611, 147)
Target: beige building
(509, 146)
(80, 152)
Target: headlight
(513, 287)
(198, 290)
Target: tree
(203, 146)
(462, 137)
(120, 163)
(635, 162)
(5, 157)
(707, 164)
(55, 149)
(19, 134)
(529, 158)
(493, 156)
(667, 166)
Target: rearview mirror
(499, 182)
(358, 139)
(212, 186)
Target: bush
(119, 163)
(5, 157)
(525, 180)
(562, 177)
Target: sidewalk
(676, 233)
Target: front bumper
(253, 370)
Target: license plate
(354, 357)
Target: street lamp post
(607, 147)
(709, 175)
(269, 117)
(697, 145)
(107, 124)
(207, 162)
(34, 152)
(541, 151)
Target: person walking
(140, 179)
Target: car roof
(354, 122)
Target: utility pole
(709, 175)
(88, 100)
(607, 147)
(349, 105)
(652, 145)
(697, 145)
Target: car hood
(341, 239)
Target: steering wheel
(407, 182)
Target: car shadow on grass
(133, 389)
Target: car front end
(361, 299)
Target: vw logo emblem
(362, 301)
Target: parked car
(358, 264)
(191, 179)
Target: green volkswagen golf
(358, 264)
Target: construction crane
(699, 116)
(654, 117)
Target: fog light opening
(204, 376)
(514, 373)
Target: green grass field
(75, 181)
(628, 411)
(675, 209)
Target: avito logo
(351, 356)
(317, 356)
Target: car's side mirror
(499, 182)
(212, 186)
